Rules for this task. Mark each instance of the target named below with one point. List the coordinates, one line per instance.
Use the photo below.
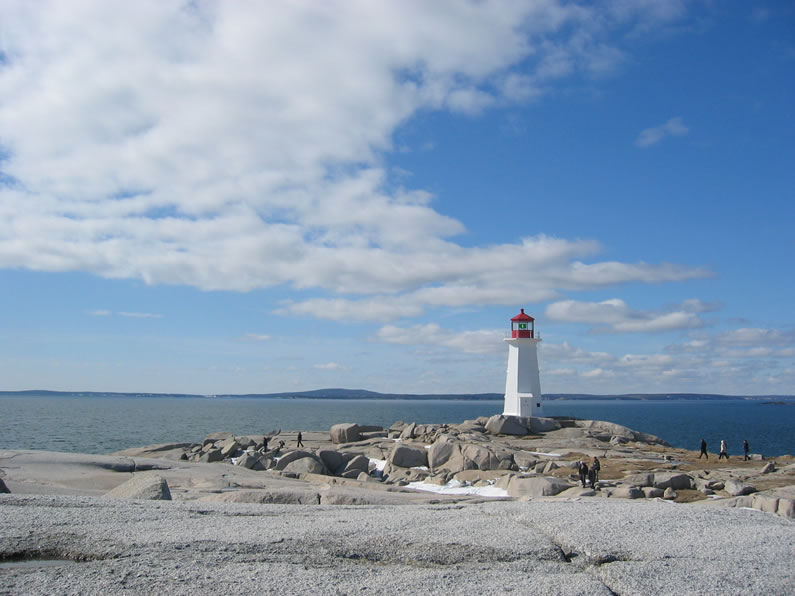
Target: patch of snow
(421, 468)
(542, 453)
(454, 487)
(378, 464)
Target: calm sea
(107, 424)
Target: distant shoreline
(360, 394)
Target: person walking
(723, 450)
(583, 471)
(746, 448)
(703, 449)
(595, 466)
(299, 443)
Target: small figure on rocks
(299, 443)
(723, 450)
(583, 471)
(595, 467)
(746, 448)
(703, 449)
(592, 477)
(265, 443)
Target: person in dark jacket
(299, 443)
(595, 467)
(583, 471)
(703, 449)
(746, 448)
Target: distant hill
(338, 393)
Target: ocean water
(105, 424)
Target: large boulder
(334, 460)
(145, 485)
(306, 465)
(627, 492)
(542, 425)
(290, 457)
(210, 456)
(404, 456)
(360, 463)
(738, 488)
(503, 424)
(409, 432)
(640, 479)
(3, 487)
(220, 436)
(482, 458)
(525, 460)
(251, 461)
(228, 447)
(440, 452)
(345, 433)
(536, 486)
(674, 480)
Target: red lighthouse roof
(522, 317)
(523, 326)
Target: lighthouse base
(523, 404)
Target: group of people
(723, 452)
(266, 439)
(591, 474)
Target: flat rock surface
(538, 547)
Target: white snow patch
(455, 487)
(377, 464)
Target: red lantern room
(522, 325)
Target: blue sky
(219, 197)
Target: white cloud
(140, 315)
(327, 366)
(651, 136)
(258, 336)
(100, 312)
(469, 342)
(234, 146)
(616, 316)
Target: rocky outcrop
(3, 487)
(345, 433)
(536, 486)
(737, 488)
(145, 485)
(403, 456)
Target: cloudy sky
(234, 197)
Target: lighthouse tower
(522, 384)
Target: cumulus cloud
(616, 316)
(236, 146)
(258, 336)
(140, 315)
(469, 342)
(651, 136)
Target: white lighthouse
(522, 383)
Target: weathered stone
(786, 508)
(550, 465)
(536, 486)
(408, 432)
(652, 493)
(440, 452)
(404, 456)
(523, 459)
(228, 447)
(211, 456)
(145, 485)
(769, 468)
(542, 425)
(250, 461)
(627, 492)
(3, 487)
(765, 502)
(674, 480)
(577, 491)
(290, 457)
(359, 463)
(345, 433)
(333, 460)
(502, 424)
(457, 462)
(481, 457)
(670, 494)
(737, 488)
(640, 480)
(305, 465)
